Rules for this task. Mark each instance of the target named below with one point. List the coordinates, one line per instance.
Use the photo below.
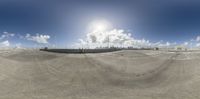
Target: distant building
(45, 48)
(180, 48)
(156, 48)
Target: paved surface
(31, 74)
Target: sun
(99, 26)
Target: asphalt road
(33, 74)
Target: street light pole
(108, 41)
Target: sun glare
(99, 25)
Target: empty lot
(128, 74)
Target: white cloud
(6, 35)
(39, 38)
(18, 45)
(5, 44)
(192, 43)
(198, 38)
(198, 45)
(162, 44)
(198, 41)
(116, 38)
(186, 43)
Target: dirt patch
(31, 56)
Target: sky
(74, 23)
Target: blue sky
(66, 21)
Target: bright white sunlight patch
(99, 26)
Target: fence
(81, 50)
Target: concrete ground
(32, 74)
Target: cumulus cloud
(5, 44)
(4, 39)
(198, 45)
(198, 38)
(115, 38)
(6, 35)
(194, 42)
(39, 38)
(162, 44)
(18, 45)
(186, 43)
